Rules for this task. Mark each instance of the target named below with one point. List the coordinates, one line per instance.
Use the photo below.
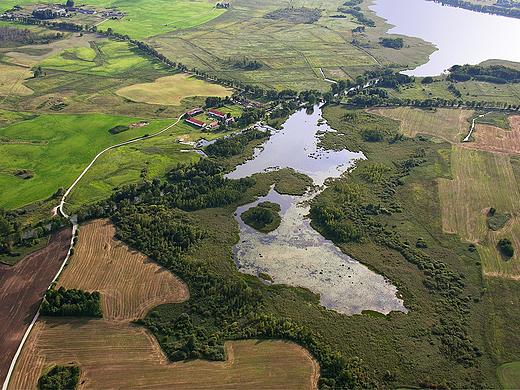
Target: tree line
(511, 11)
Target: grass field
(291, 53)
(144, 18)
(171, 90)
(509, 375)
(448, 124)
(130, 283)
(125, 356)
(482, 180)
(73, 140)
(127, 164)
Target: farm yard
(22, 288)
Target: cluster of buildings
(214, 113)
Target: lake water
(461, 36)
(295, 254)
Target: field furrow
(130, 283)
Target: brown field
(482, 180)
(495, 139)
(117, 355)
(448, 124)
(22, 288)
(129, 282)
(114, 353)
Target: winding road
(60, 207)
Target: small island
(264, 217)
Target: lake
(295, 254)
(461, 36)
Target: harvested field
(509, 375)
(120, 355)
(482, 180)
(170, 90)
(129, 282)
(449, 124)
(22, 288)
(11, 80)
(495, 139)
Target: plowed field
(129, 282)
(22, 288)
(495, 139)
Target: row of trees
(496, 9)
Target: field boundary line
(60, 207)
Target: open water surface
(461, 36)
(295, 254)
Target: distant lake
(461, 36)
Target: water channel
(295, 254)
(461, 36)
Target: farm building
(195, 111)
(213, 125)
(216, 113)
(195, 122)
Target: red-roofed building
(195, 111)
(217, 113)
(195, 122)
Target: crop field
(125, 356)
(482, 180)
(495, 139)
(449, 124)
(22, 289)
(112, 352)
(11, 79)
(291, 54)
(130, 283)
(73, 140)
(171, 90)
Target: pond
(461, 36)
(295, 254)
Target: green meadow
(144, 18)
(72, 142)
